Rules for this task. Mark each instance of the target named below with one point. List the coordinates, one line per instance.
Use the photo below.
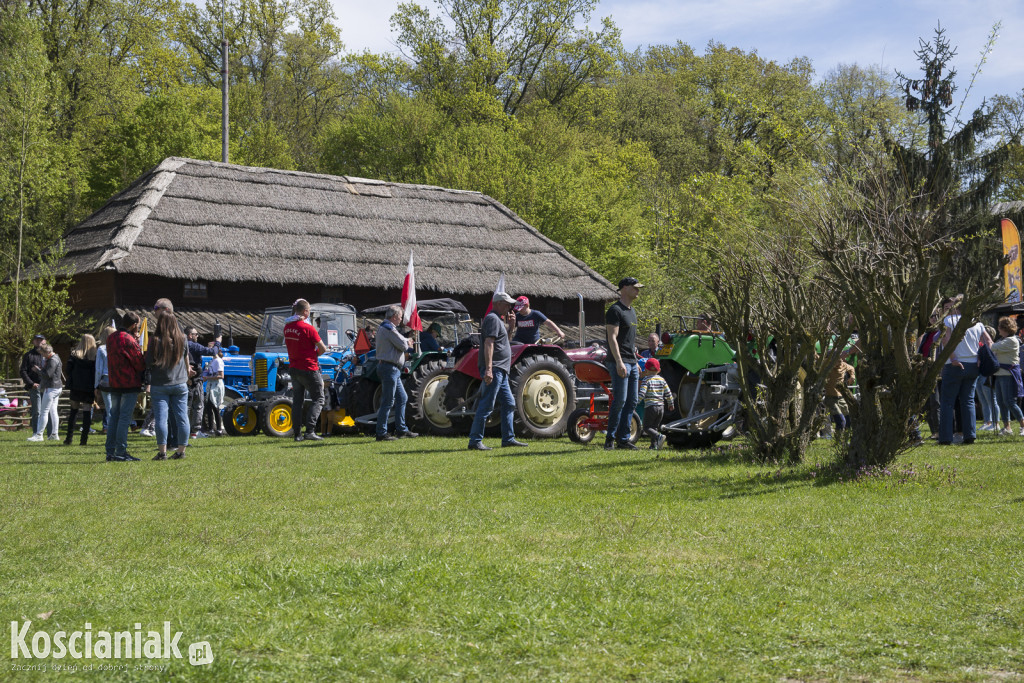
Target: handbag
(987, 363)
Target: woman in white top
(1008, 387)
(213, 374)
(958, 378)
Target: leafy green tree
(182, 122)
(513, 50)
(31, 182)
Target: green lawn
(418, 560)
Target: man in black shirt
(620, 326)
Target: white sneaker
(958, 438)
(202, 435)
(987, 428)
(35, 437)
(147, 432)
(1022, 431)
(53, 437)
(1006, 431)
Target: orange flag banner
(1012, 270)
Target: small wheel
(277, 417)
(240, 419)
(579, 430)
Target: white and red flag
(410, 316)
(500, 289)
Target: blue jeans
(499, 390)
(35, 398)
(1006, 393)
(173, 399)
(624, 400)
(957, 382)
(121, 408)
(392, 394)
(107, 398)
(48, 419)
(983, 395)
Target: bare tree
(885, 254)
(789, 335)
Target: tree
(26, 140)
(885, 253)
(513, 50)
(789, 332)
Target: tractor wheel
(579, 431)
(277, 417)
(545, 393)
(426, 389)
(365, 397)
(462, 386)
(240, 419)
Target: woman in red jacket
(125, 367)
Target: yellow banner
(1011, 249)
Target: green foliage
(184, 122)
(42, 304)
(33, 182)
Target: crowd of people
(107, 374)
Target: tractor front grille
(260, 373)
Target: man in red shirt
(304, 348)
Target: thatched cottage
(225, 241)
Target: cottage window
(195, 290)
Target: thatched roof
(201, 220)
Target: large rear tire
(241, 419)
(462, 389)
(545, 394)
(426, 389)
(277, 417)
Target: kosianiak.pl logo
(86, 644)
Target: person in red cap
(529, 322)
(657, 398)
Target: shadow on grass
(101, 461)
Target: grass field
(418, 560)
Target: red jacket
(125, 362)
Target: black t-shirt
(625, 319)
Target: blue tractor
(266, 403)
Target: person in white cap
(495, 362)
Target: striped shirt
(654, 391)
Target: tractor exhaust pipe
(583, 323)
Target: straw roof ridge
(256, 175)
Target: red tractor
(541, 381)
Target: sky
(829, 32)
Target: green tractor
(700, 368)
(425, 375)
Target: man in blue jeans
(494, 363)
(391, 349)
(620, 326)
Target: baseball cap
(521, 303)
(502, 296)
(652, 364)
(39, 336)
(627, 281)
